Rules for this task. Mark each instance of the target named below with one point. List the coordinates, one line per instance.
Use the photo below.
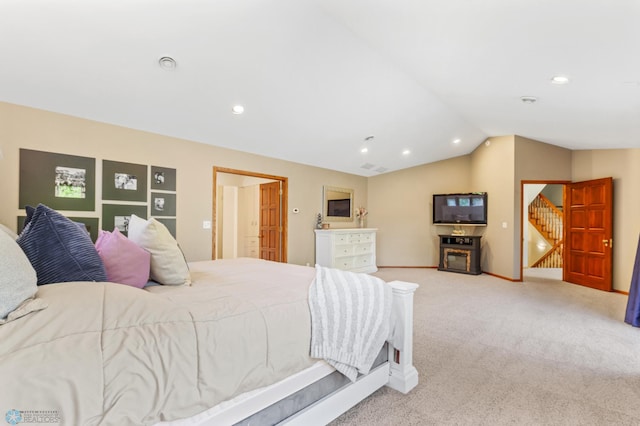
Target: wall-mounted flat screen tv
(339, 208)
(460, 209)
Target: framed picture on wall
(163, 204)
(119, 215)
(124, 181)
(60, 181)
(163, 178)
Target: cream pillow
(168, 265)
(17, 277)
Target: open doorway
(585, 225)
(246, 223)
(542, 229)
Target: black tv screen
(339, 208)
(460, 209)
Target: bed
(233, 347)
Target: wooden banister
(548, 220)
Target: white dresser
(349, 249)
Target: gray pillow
(18, 280)
(8, 231)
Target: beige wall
(622, 166)
(22, 127)
(493, 172)
(535, 161)
(400, 206)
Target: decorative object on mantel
(319, 221)
(361, 212)
(326, 225)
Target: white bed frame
(398, 373)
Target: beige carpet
(493, 352)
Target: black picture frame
(124, 181)
(42, 177)
(163, 178)
(163, 204)
(113, 214)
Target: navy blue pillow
(59, 250)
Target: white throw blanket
(350, 319)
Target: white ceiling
(316, 77)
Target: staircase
(547, 219)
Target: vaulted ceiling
(317, 78)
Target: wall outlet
(206, 224)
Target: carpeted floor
(494, 352)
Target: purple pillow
(125, 261)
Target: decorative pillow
(8, 231)
(125, 261)
(17, 276)
(29, 214)
(168, 265)
(59, 250)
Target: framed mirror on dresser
(337, 204)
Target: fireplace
(457, 260)
(460, 254)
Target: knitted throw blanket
(350, 319)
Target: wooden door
(589, 233)
(270, 228)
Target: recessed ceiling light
(364, 150)
(528, 99)
(406, 152)
(237, 109)
(167, 63)
(560, 79)
(457, 141)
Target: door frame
(284, 181)
(522, 210)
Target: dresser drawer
(362, 262)
(345, 263)
(364, 237)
